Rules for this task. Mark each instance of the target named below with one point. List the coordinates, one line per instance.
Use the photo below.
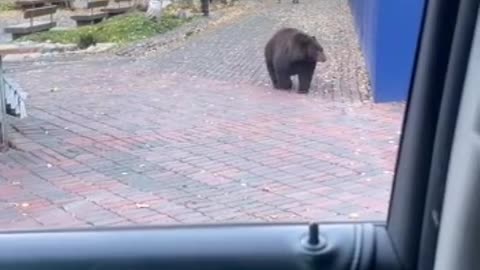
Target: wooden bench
(93, 17)
(119, 9)
(30, 27)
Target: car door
(406, 241)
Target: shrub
(86, 40)
(6, 6)
(120, 29)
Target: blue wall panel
(388, 32)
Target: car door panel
(234, 247)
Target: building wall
(388, 33)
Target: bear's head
(315, 50)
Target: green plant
(121, 29)
(6, 6)
(86, 40)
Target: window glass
(159, 112)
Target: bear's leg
(282, 68)
(305, 78)
(271, 72)
(283, 80)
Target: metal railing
(12, 103)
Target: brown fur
(292, 52)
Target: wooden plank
(29, 3)
(91, 17)
(98, 3)
(57, 2)
(116, 11)
(62, 3)
(37, 12)
(82, 20)
(27, 28)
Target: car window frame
(431, 113)
(427, 135)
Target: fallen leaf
(142, 205)
(353, 216)
(25, 205)
(266, 189)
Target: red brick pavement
(114, 146)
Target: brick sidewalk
(235, 52)
(178, 149)
(151, 141)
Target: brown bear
(292, 52)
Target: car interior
(433, 217)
